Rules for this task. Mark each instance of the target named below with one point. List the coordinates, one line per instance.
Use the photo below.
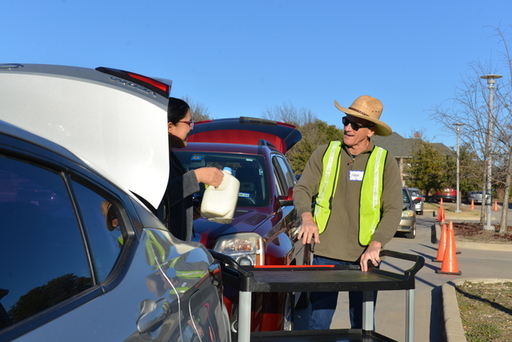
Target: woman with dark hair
(177, 208)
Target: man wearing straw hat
(358, 203)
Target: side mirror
(288, 199)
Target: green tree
(427, 167)
(471, 171)
(314, 134)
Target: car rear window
(415, 193)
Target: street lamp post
(491, 80)
(457, 126)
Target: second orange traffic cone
(440, 215)
(450, 265)
(442, 244)
(472, 206)
(495, 207)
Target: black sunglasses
(355, 125)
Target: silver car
(418, 199)
(407, 225)
(476, 197)
(84, 257)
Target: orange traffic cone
(440, 215)
(442, 244)
(449, 265)
(472, 206)
(441, 201)
(495, 207)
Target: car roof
(246, 130)
(18, 134)
(114, 120)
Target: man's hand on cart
(371, 254)
(309, 229)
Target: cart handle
(419, 261)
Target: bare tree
(505, 129)
(314, 132)
(290, 114)
(470, 106)
(198, 110)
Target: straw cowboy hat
(367, 108)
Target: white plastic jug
(218, 204)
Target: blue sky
(239, 58)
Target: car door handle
(152, 314)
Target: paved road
(390, 312)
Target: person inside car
(177, 208)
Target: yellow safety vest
(371, 190)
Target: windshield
(248, 169)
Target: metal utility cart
(248, 279)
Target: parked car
(447, 194)
(476, 197)
(83, 258)
(416, 195)
(407, 225)
(262, 231)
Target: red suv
(262, 231)
(447, 194)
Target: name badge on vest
(355, 175)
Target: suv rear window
(248, 169)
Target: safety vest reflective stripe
(371, 190)
(328, 184)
